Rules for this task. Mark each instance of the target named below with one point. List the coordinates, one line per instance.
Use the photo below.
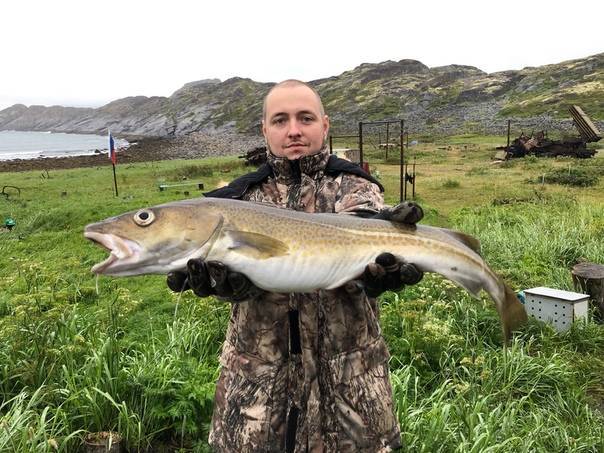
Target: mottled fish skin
(281, 250)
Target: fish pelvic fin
(255, 245)
(470, 285)
(511, 312)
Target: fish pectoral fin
(466, 239)
(255, 245)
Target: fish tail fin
(511, 311)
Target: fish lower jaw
(101, 267)
(137, 264)
(122, 252)
(118, 264)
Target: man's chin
(295, 155)
(296, 152)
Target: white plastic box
(558, 307)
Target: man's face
(293, 126)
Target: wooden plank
(501, 155)
(163, 187)
(587, 128)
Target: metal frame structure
(331, 137)
(404, 175)
(403, 172)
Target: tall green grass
(86, 378)
(536, 242)
(137, 359)
(456, 389)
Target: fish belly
(296, 273)
(470, 275)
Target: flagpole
(114, 179)
(113, 158)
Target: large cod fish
(281, 250)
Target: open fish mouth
(119, 249)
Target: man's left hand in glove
(388, 273)
(213, 278)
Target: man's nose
(294, 129)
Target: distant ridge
(444, 99)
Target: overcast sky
(89, 52)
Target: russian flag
(112, 154)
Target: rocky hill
(440, 100)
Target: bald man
(304, 372)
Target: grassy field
(79, 355)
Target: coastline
(193, 146)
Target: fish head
(155, 240)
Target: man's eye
(307, 119)
(279, 121)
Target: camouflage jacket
(306, 372)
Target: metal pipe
(402, 160)
(413, 178)
(406, 173)
(361, 143)
(387, 138)
(380, 122)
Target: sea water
(32, 145)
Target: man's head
(294, 123)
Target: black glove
(407, 212)
(212, 278)
(389, 273)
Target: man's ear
(325, 126)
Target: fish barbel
(281, 250)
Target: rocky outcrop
(440, 100)
(40, 118)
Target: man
(304, 372)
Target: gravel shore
(193, 146)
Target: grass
(136, 359)
(451, 184)
(571, 177)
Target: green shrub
(451, 184)
(510, 163)
(193, 171)
(204, 170)
(570, 177)
(537, 197)
(478, 171)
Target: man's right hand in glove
(212, 278)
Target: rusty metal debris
(255, 156)
(10, 192)
(538, 144)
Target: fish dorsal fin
(256, 245)
(467, 240)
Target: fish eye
(144, 217)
